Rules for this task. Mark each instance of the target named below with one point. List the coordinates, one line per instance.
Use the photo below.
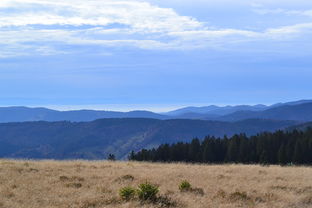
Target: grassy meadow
(96, 184)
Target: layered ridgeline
(45, 133)
(97, 139)
(281, 147)
(298, 111)
(22, 114)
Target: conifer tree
(282, 159)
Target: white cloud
(140, 16)
(264, 11)
(289, 32)
(37, 25)
(23, 21)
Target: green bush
(185, 186)
(147, 191)
(127, 193)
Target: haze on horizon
(154, 54)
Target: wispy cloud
(41, 26)
(264, 11)
(290, 31)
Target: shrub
(127, 193)
(124, 178)
(185, 186)
(147, 191)
(127, 177)
(74, 185)
(239, 196)
(221, 194)
(64, 178)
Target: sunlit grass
(96, 184)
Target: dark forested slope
(280, 147)
(96, 139)
(301, 112)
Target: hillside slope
(216, 110)
(301, 112)
(298, 110)
(22, 114)
(96, 139)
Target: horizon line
(157, 108)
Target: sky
(154, 54)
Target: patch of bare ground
(96, 184)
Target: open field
(82, 184)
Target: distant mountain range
(301, 112)
(215, 110)
(22, 114)
(89, 134)
(297, 111)
(96, 139)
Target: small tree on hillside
(111, 157)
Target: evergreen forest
(280, 147)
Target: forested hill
(97, 139)
(301, 112)
(23, 114)
(297, 111)
(265, 148)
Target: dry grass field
(83, 184)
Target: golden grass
(95, 184)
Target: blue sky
(154, 54)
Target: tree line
(280, 147)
